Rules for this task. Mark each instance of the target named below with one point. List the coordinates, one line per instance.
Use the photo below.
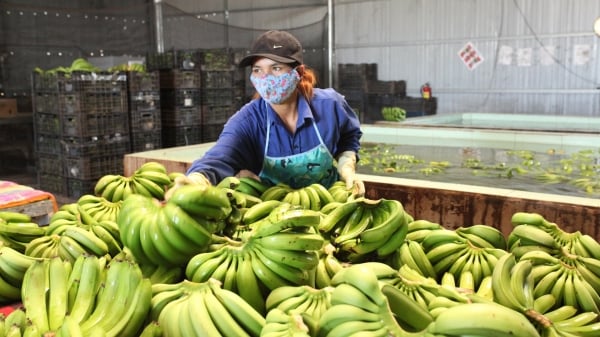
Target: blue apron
(302, 169)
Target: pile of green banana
(365, 229)
(280, 248)
(151, 179)
(79, 64)
(202, 309)
(91, 297)
(244, 259)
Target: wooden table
(175, 159)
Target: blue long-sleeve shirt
(241, 144)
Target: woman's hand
(347, 170)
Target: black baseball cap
(277, 45)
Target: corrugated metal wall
(537, 56)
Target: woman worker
(291, 132)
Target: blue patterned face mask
(276, 89)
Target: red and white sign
(470, 56)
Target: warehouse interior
(478, 160)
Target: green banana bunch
(313, 197)
(369, 228)
(393, 114)
(81, 64)
(524, 238)
(280, 323)
(483, 236)
(160, 233)
(150, 179)
(276, 192)
(339, 192)
(359, 303)
(46, 308)
(567, 321)
(18, 229)
(327, 267)
(513, 283)
(412, 254)
(482, 319)
(13, 265)
(569, 278)
(209, 202)
(203, 309)
(121, 308)
(251, 187)
(419, 229)
(69, 234)
(114, 187)
(16, 323)
(299, 299)
(96, 208)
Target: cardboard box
(8, 107)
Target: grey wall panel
(539, 56)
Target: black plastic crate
(143, 81)
(92, 103)
(76, 188)
(211, 132)
(145, 120)
(97, 83)
(118, 144)
(70, 103)
(179, 98)
(45, 103)
(47, 144)
(94, 124)
(92, 167)
(49, 164)
(217, 114)
(386, 87)
(220, 78)
(181, 117)
(180, 79)
(221, 97)
(144, 100)
(216, 59)
(160, 61)
(146, 141)
(187, 59)
(53, 183)
(352, 75)
(47, 123)
(181, 135)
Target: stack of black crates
(351, 82)
(81, 129)
(222, 93)
(199, 90)
(368, 96)
(180, 98)
(144, 110)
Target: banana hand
(347, 170)
(194, 178)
